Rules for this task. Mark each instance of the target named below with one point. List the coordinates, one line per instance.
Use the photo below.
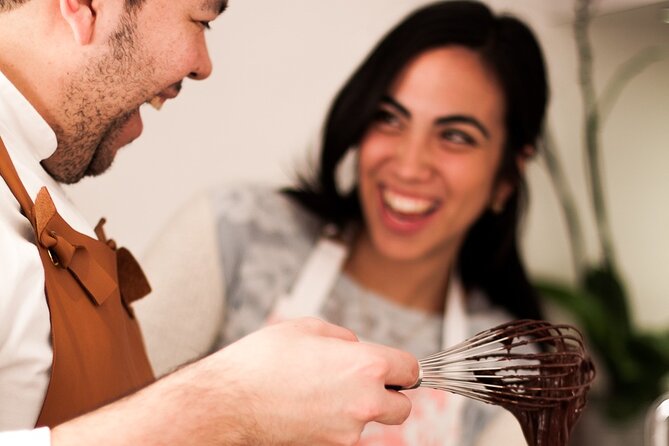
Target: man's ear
(81, 18)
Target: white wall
(276, 66)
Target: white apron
(436, 416)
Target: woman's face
(428, 161)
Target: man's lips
(159, 100)
(129, 130)
(156, 102)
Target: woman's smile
(402, 212)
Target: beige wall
(276, 66)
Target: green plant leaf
(604, 284)
(589, 312)
(637, 364)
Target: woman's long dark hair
(489, 258)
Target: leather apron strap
(98, 352)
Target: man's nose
(202, 66)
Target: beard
(104, 154)
(97, 105)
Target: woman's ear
(80, 16)
(505, 187)
(500, 195)
(525, 154)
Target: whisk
(538, 371)
(521, 365)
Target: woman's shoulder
(261, 207)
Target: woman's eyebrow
(400, 108)
(463, 119)
(450, 119)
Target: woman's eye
(457, 137)
(386, 119)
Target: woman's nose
(413, 160)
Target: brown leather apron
(98, 352)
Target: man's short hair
(131, 5)
(6, 5)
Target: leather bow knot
(96, 279)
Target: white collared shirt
(25, 346)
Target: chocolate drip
(538, 371)
(564, 366)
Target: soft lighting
(665, 15)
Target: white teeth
(406, 205)
(156, 102)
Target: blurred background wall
(278, 63)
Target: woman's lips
(406, 204)
(406, 213)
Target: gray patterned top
(265, 239)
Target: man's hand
(301, 382)
(312, 383)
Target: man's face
(148, 54)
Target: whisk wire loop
(524, 364)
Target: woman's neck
(419, 284)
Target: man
(73, 76)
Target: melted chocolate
(548, 402)
(538, 371)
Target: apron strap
(69, 254)
(313, 286)
(455, 317)
(320, 272)
(315, 280)
(11, 177)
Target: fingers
(340, 383)
(401, 367)
(396, 408)
(321, 328)
(393, 367)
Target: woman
(421, 251)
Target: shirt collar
(21, 125)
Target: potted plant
(633, 362)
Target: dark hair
(489, 258)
